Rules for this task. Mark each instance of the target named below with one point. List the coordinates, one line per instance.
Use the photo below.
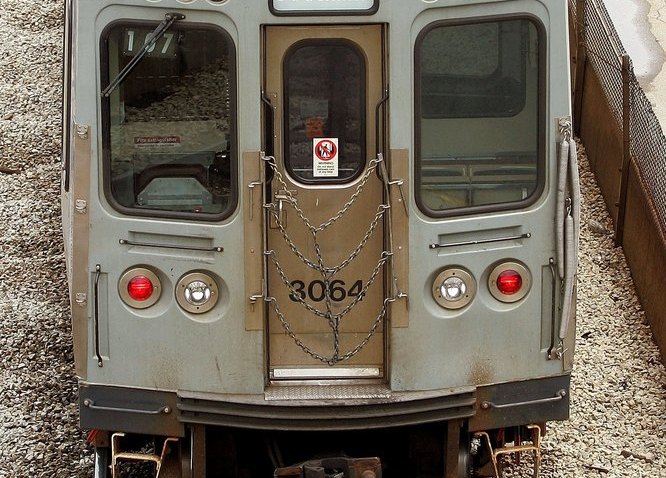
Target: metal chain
(294, 293)
(336, 358)
(373, 329)
(327, 273)
(290, 333)
(333, 322)
(330, 270)
(294, 203)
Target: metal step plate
(327, 392)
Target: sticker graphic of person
(326, 150)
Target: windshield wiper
(161, 29)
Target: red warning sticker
(325, 157)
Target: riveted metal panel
(400, 231)
(517, 403)
(80, 294)
(131, 410)
(253, 218)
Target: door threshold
(327, 392)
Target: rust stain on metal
(481, 372)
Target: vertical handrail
(98, 273)
(379, 136)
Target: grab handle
(559, 395)
(91, 405)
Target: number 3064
(316, 290)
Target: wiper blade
(161, 29)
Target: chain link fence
(627, 151)
(625, 97)
(648, 147)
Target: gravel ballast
(618, 396)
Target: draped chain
(327, 271)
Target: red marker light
(509, 282)
(140, 288)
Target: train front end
(330, 238)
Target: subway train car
(319, 238)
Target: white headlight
(197, 292)
(454, 288)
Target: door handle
(252, 187)
(281, 197)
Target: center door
(325, 223)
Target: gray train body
(336, 227)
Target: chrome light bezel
(468, 295)
(125, 279)
(193, 307)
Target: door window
(325, 133)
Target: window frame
(542, 86)
(333, 12)
(106, 125)
(67, 126)
(358, 50)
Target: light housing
(197, 292)
(509, 281)
(139, 288)
(454, 288)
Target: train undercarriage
(453, 434)
(430, 451)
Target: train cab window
(478, 116)
(324, 83)
(169, 124)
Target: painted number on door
(316, 290)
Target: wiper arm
(161, 29)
